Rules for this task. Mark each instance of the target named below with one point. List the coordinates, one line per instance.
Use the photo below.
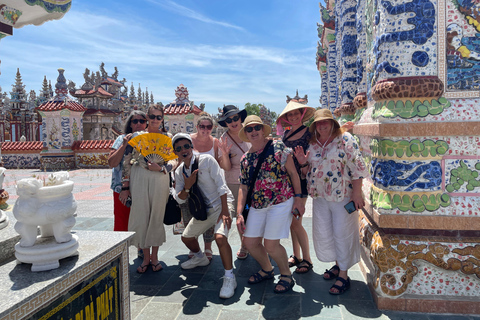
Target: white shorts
(197, 227)
(271, 223)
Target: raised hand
(224, 147)
(300, 154)
(348, 125)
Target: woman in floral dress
(334, 169)
(276, 195)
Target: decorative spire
(182, 95)
(151, 98)
(147, 98)
(139, 95)
(18, 94)
(61, 89)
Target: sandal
(155, 266)
(142, 268)
(209, 254)
(295, 262)
(332, 273)
(257, 277)
(287, 286)
(304, 266)
(341, 289)
(242, 254)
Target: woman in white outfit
(334, 170)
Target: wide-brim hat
(292, 105)
(229, 111)
(323, 114)
(253, 119)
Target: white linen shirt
(210, 181)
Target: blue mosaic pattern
(66, 139)
(407, 175)
(405, 44)
(332, 76)
(361, 47)
(349, 50)
(14, 161)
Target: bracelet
(125, 188)
(125, 179)
(304, 165)
(298, 195)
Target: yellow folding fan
(153, 146)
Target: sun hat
(323, 114)
(180, 136)
(229, 111)
(292, 105)
(253, 119)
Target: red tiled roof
(173, 109)
(60, 105)
(110, 80)
(22, 146)
(104, 111)
(94, 92)
(92, 144)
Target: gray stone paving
(180, 294)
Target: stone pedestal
(94, 284)
(3, 219)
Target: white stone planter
(52, 208)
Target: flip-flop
(154, 267)
(142, 268)
(209, 254)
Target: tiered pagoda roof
(182, 105)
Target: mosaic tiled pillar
(360, 101)
(420, 229)
(348, 57)
(332, 72)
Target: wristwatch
(187, 190)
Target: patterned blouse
(303, 141)
(332, 169)
(273, 185)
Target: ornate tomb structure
(407, 72)
(181, 114)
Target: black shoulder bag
(196, 203)
(261, 158)
(173, 213)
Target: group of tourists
(245, 168)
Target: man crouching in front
(219, 201)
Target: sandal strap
(309, 264)
(268, 273)
(345, 282)
(286, 276)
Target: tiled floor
(179, 294)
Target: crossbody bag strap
(235, 142)
(294, 133)
(255, 173)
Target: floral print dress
(333, 168)
(273, 184)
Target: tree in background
(255, 109)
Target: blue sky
(225, 52)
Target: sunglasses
(185, 146)
(234, 119)
(208, 127)
(142, 121)
(152, 116)
(257, 127)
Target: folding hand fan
(153, 146)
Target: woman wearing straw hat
(276, 195)
(295, 115)
(335, 169)
(230, 150)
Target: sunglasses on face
(234, 119)
(257, 127)
(208, 127)
(152, 116)
(142, 121)
(185, 146)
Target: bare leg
(279, 254)
(302, 238)
(258, 252)
(191, 243)
(225, 251)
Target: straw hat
(229, 111)
(323, 114)
(253, 119)
(294, 106)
